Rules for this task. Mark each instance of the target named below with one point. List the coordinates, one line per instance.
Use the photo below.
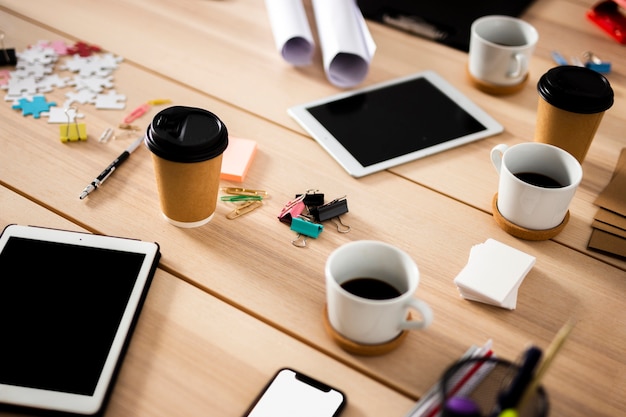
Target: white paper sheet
(494, 274)
(291, 30)
(347, 45)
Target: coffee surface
(371, 288)
(539, 180)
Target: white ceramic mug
(535, 207)
(500, 49)
(363, 319)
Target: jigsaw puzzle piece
(32, 70)
(95, 84)
(62, 115)
(4, 77)
(50, 81)
(60, 47)
(111, 101)
(38, 54)
(35, 106)
(83, 49)
(18, 86)
(81, 96)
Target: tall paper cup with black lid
(572, 102)
(187, 144)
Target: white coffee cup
(500, 49)
(529, 205)
(366, 320)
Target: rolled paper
(347, 45)
(291, 30)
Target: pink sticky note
(237, 159)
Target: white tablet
(68, 305)
(391, 123)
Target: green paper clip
(306, 228)
(239, 198)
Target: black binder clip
(607, 15)
(312, 198)
(7, 56)
(332, 211)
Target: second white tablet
(391, 123)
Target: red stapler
(608, 16)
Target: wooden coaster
(494, 89)
(358, 348)
(522, 232)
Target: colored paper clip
(240, 198)
(7, 56)
(593, 62)
(304, 229)
(72, 132)
(158, 101)
(106, 135)
(558, 58)
(607, 15)
(127, 126)
(137, 113)
(244, 208)
(292, 210)
(245, 191)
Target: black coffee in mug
(371, 288)
(539, 180)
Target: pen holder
(480, 381)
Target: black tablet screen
(379, 125)
(60, 307)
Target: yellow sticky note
(237, 159)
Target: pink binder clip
(292, 210)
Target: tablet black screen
(382, 124)
(61, 306)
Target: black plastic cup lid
(576, 89)
(186, 134)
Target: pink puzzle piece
(4, 77)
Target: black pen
(111, 168)
(510, 397)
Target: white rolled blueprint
(291, 30)
(347, 45)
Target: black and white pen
(111, 168)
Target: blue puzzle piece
(35, 107)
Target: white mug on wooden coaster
(370, 290)
(500, 50)
(537, 183)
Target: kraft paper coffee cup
(187, 144)
(572, 102)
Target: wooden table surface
(233, 300)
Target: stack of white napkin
(494, 273)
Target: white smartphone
(293, 394)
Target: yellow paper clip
(244, 191)
(72, 132)
(244, 208)
(158, 101)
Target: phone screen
(292, 394)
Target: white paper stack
(494, 273)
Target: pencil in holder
(478, 382)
